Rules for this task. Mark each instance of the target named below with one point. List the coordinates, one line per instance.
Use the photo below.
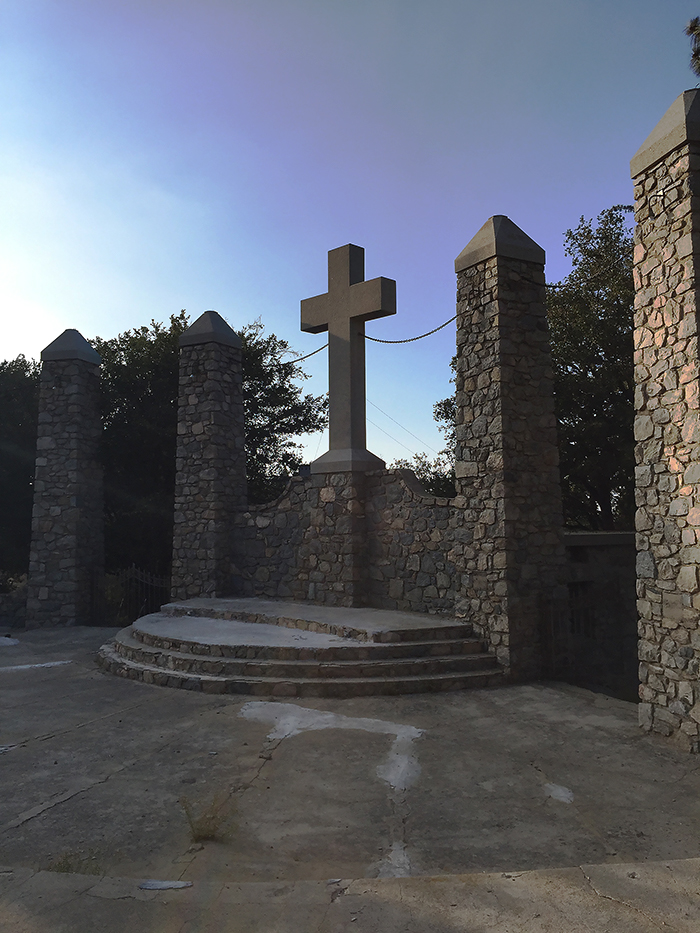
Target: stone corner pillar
(210, 480)
(666, 174)
(67, 549)
(511, 555)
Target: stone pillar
(510, 549)
(666, 173)
(67, 550)
(210, 480)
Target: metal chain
(408, 339)
(412, 339)
(298, 359)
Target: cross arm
(373, 299)
(315, 314)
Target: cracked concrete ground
(538, 808)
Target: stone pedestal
(67, 550)
(510, 550)
(335, 557)
(666, 173)
(210, 481)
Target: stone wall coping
(680, 124)
(71, 345)
(598, 538)
(407, 477)
(210, 327)
(273, 503)
(499, 236)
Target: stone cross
(342, 311)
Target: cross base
(347, 459)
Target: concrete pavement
(465, 811)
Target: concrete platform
(528, 808)
(361, 623)
(208, 631)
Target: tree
(140, 391)
(19, 408)
(590, 316)
(139, 406)
(276, 411)
(438, 475)
(139, 380)
(693, 30)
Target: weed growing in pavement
(213, 821)
(75, 863)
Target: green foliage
(19, 408)
(693, 31)
(445, 414)
(590, 316)
(437, 476)
(276, 411)
(140, 391)
(139, 409)
(591, 320)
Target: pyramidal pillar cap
(210, 327)
(499, 237)
(680, 124)
(71, 345)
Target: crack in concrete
(61, 798)
(43, 737)
(322, 922)
(616, 900)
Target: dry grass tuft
(213, 821)
(75, 863)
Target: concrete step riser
(230, 667)
(114, 664)
(429, 633)
(364, 651)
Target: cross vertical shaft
(342, 311)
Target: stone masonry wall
(511, 553)
(67, 548)
(302, 545)
(667, 430)
(411, 538)
(210, 485)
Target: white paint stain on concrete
(399, 770)
(401, 767)
(557, 792)
(396, 864)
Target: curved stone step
(378, 625)
(146, 631)
(110, 660)
(314, 664)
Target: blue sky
(208, 153)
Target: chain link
(412, 339)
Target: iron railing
(123, 596)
